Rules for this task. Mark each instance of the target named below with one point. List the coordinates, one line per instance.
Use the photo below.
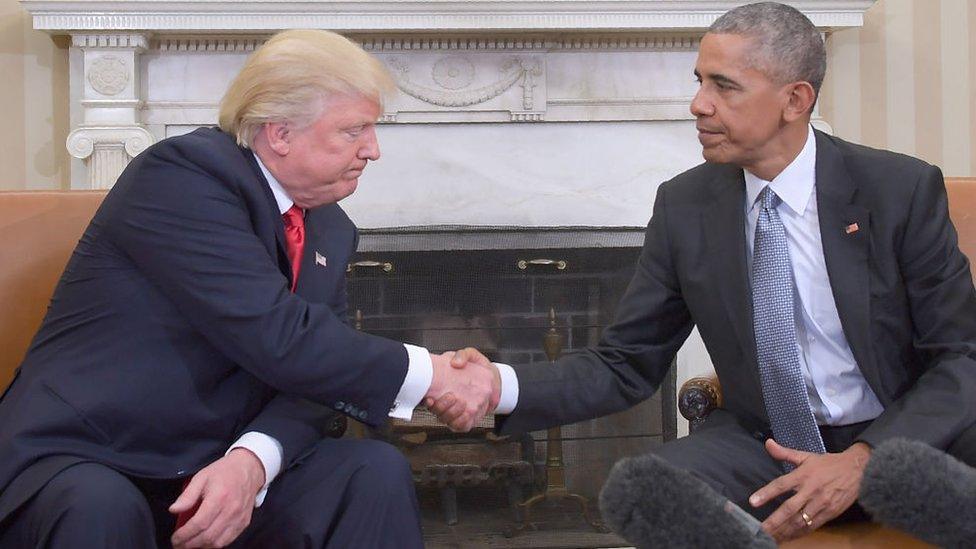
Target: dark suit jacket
(902, 288)
(173, 331)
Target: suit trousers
(345, 493)
(733, 460)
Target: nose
(370, 149)
(700, 105)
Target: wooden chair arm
(698, 397)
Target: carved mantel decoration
(142, 70)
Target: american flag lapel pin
(852, 228)
(320, 259)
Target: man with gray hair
(197, 347)
(827, 284)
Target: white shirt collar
(795, 184)
(281, 197)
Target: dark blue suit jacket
(173, 331)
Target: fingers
(226, 501)
(774, 489)
(474, 387)
(189, 534)
(817, 511)
(469, 354)
(782, 453)
(224, 529)
(217, 523)
(189, 497)
(788, 522)
(457, 414)
(448, 408)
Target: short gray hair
(788, 47)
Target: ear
(799, 101)
(278, 136)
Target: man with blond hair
(196, 346)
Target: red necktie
(294, 240)
(294, 244)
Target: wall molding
(383, 43)
(412, 15)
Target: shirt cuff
(510, 389)
(268, 451)
(420, 374)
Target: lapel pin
(852, 228)
(320, 259)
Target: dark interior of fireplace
(445, 290)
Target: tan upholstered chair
(38, 231)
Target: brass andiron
(555, 471)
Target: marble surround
(509, 112)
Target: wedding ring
(806, 518)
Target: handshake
(465, 388)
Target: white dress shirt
(839, 394)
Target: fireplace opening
(521, 296)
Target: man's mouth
(708, 137)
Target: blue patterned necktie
(783, 387)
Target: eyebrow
(719, 78)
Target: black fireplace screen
(504, 302)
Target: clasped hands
(466, 387)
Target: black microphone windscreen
(913, 487)
(651, 503)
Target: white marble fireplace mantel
(401, 15)
(509, 112)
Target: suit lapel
(846, 248)
(276, 220)
(725, 228)
(311, 283)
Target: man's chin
(349, 186)
(712, 154)
(718, 155)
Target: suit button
(362, 414)
(349, 408)
(339, 405)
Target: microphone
(651, 503)
(913, 487)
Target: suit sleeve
(632, 357)
(297, 424)
(942, 304)
(193, 237)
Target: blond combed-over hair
(289, 78)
